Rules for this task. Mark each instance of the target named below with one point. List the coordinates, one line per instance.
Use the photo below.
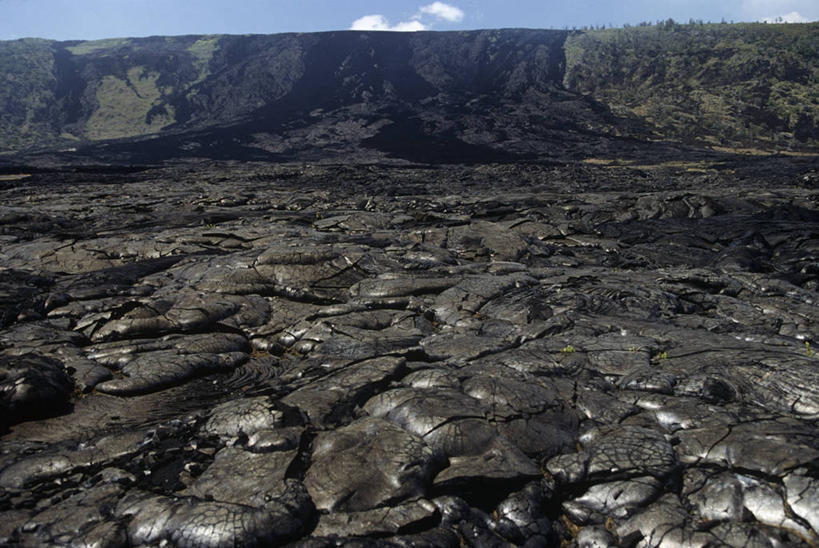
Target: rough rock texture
(433, 97)
(378, 356)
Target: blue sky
(94, 19)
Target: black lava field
(242, 354)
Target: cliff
(431, 97)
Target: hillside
(500, 94)
(750, 84)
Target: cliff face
(718, 84)
(501, 94)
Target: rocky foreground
(253, 355)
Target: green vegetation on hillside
(752, 86)
(93, 46)
(27, 84)
(123, 106)
(202, 51)
(58, 93)
(731, 85)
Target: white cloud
(379, 22)
(420, 21)
(370, 22)
(792, 17)
(409, 26)
(443, 11)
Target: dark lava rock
(488, 355)
(368, 464)
(32, 386)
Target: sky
(96, 19)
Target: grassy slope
(129, 96)
(748, 85)
(733, 85)
(27, 82)
(122, 87)
(124, 104)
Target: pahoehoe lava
(459, 305)
(486, 355)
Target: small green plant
(568, 349)
(662, 355)
(633, 348)
(809, 352)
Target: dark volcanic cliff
(488, 95)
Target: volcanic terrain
(497, 288)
